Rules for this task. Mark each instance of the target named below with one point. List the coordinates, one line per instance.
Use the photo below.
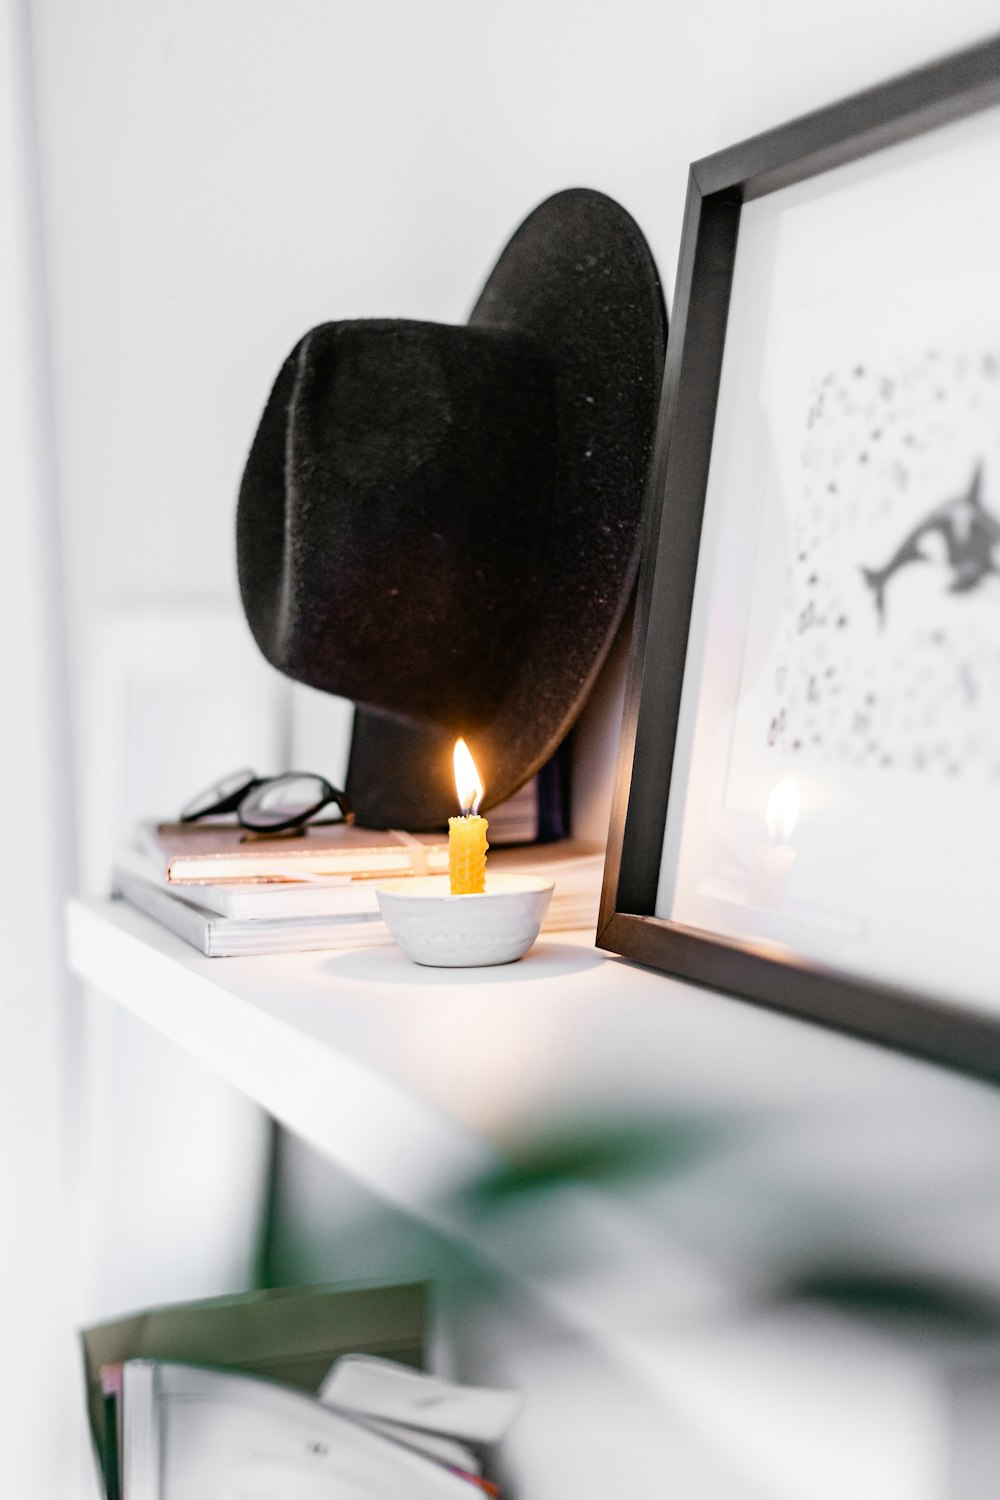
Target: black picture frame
(960, 1035)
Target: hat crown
(396, 408)
(384, 402)
(422, 456)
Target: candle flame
(783, 810)
(467, 782)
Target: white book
(195, 1434)
(300, 895)
(231, 937)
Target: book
(190, 1431)
(539, 810)
(308, 895)
(390, 1392)
(213, 852)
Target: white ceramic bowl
(463, 932)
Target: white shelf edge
(412, 1154)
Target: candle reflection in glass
(774, 862)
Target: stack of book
(230, 895)
(298, 1392)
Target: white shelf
(810, 1148)
(416, 1079)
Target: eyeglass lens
(212, 798)
(286, 799)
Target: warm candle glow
(467, 782)
(467, 844)
(783, 810)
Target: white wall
(38, 1430)
(218, 175)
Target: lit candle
(467, 844)
(774, 862)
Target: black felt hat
(441, 523)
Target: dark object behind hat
(442, 523)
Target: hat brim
(579, 278)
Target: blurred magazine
(182, 1432)
(288, 1334)
(191, 1432)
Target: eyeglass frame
(236, 801)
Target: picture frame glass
(835, 790)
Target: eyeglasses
(268, 804)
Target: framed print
(807, 810)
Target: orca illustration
(970, 533)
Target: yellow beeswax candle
(467, 844)
(467, 848)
